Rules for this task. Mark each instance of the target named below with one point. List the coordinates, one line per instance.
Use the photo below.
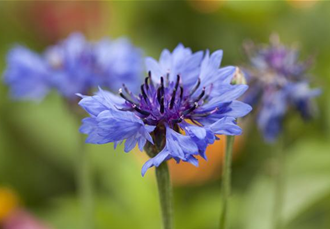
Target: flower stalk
(165, 194)
(279, 179)
(163, 178)
(85, 189)
(226, 182)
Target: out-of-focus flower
(182, 86)
(73, 66)
(278, 81)
(120, 60)
(26, 74)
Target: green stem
(279, 177)
(85, 188)
(226, 182)
(165, 194)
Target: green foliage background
(39, 141)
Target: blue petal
(155, 69)
(26, 74)
(179, 145)
(227, 93)
(202, 136)
(210, 67)
(271, 115)
(180, 62)
(103, 100)
(165, 60)
(227, 96)
(226, 74)
(155, 161)
(192, 160)
(130, 143)
(237, 109)
(118, 62)
(226, 126)
(115, 126)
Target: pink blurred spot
(21, 219)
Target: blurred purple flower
(26, 74)
(120, 60)
(182, 86)
(72, 66)
(278, 81)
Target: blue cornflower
(185, 101)
(72, 66)
(278, 82)
(27, 74)
(120, 60)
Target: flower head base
(184, 92)
(278, 81)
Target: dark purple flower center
(167, 102)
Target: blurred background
(39, 142)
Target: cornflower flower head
(185, 101)
(278, 82)
(74, 65)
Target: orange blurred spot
(8, 202)
(302, 3)
(205, 6)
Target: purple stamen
(162, 107)
(201, 95)
(141, 111)
(125, 97)
(181, 93)
(162, 85)
(191, 109)
(174, 92)
(206, 114)
(144, 93)
(149, 78)
(146, 83)
(126, 89)
(196, 87)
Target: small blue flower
(26, 74)
(185, 101)
(72, 66)
(278, 82)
